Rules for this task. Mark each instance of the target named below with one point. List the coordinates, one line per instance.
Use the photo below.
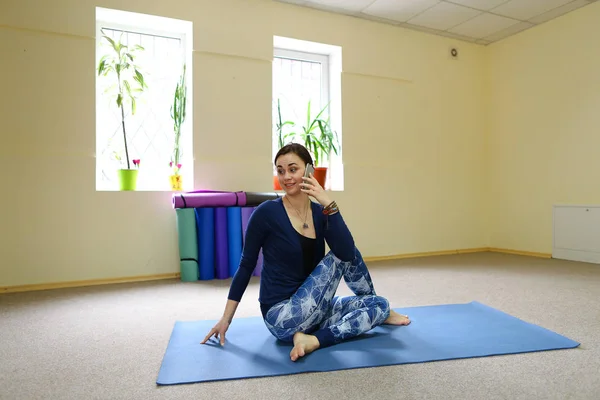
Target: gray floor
(107, 342)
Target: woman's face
(290, 170)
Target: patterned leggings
(313, 309)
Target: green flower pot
(127, 179)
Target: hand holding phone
(309, 170)
(314, 189)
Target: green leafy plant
(178, 111)
(280, 125)
(318, 137)
(120, 62)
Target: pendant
(305, 226)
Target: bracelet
(332, 208)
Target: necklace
(304, 225)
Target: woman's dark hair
(297, 149)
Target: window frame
(322, 59)
(330, 58)
(154, 183)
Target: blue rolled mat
(441, 332)
(221, 252)
(206, 242)
(187, 240)
(234, 238)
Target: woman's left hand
(312, 187)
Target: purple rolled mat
(234, 238)
(246, 213)
(208, 199)
(221, 249)
(259, 262)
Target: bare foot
(303, 344)
(397, 319)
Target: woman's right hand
(218, 331)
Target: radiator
(576, 233)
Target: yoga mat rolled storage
(188, 246)
(246, 213)
(254, 199)
(205, 219)
(221, 250)
(234, 238)
(208, 198)
(440, 332)
(211, 226)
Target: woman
(298, 281)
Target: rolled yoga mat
(234, 238)
(256, 198)
(188, 244)
(259, 262)
(208, 199)
(221, 251)
(441, 332)
(205, 220)
(246, 213)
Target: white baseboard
(576, 255)
(59, 285)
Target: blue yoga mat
(205, 219)
(441, 332)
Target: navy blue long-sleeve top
(270, 228)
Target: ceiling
(478, 21)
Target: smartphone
(309, 170)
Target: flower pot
(276, 184)
(320, 175)
(176, 183)
(127, 179)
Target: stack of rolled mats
(211, 229)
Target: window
(298, 78)
(306, 72)
(150, 132)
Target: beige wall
(413, 130)
(544, 127)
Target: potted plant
(178, 111)
(320, 140)
(129, 81)
(280, 139)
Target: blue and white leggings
(313, 309)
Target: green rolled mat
(189, 271)
(188, 243)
